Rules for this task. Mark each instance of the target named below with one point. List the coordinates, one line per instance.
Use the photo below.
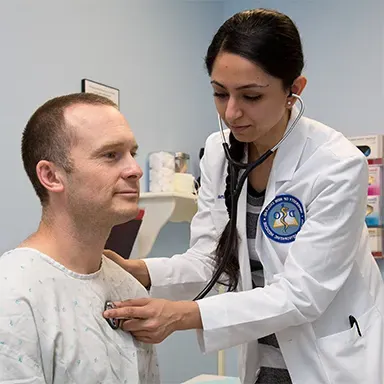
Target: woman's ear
(299, 85)
(297, 88)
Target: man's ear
(49, 176)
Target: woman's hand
(153, 320)
(137, 268)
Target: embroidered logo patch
(283, 218)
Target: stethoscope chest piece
(114, 323)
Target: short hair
(47, 136)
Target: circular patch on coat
(283, 218)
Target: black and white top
(273, 368)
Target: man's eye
(111, 155)
(134, 154)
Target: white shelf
(161, 208)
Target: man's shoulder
(15, 260)
(18, 270)
(18, 334)
(18, 293)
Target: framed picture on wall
(107, 91)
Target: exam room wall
(153, 52)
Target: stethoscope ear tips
(114, 323)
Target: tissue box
(160, 171)
(375, 180)
(373, 217)
(371, 145)
(376, 241)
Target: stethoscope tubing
(235, 190)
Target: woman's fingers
(128, 312)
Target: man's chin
(126, 215)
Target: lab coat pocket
(345, 355)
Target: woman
(307, 298)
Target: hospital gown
(52, 329)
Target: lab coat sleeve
(317, 265)
(183, 276)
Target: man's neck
(77, 247)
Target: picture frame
(91, 86)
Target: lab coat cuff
(159, 271)
(211, 338)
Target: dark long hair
(271, 40)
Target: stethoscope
(235, 190)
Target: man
(79, 153)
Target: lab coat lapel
(287, 158)
(245, 269)
(284, 166)
(283, 169)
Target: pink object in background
(375, 180)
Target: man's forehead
(99, 123)
(87, 113)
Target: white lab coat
(313, 284)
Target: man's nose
(132, 170)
